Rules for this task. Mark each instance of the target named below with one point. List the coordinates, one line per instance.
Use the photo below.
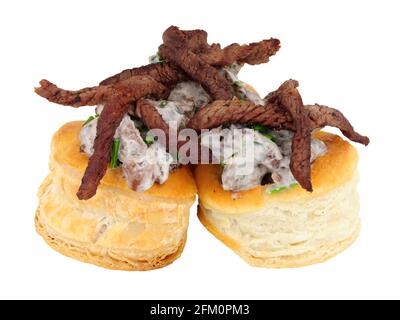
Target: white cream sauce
(184, 100)
(190, 93)
(245, 154)
(238, 148)
(240, 88)
(283, 177)
(173, 113)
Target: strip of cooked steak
(196, 41)
(214, 82)
(236, 111)
(116, 105)
(321, 116)
(108, 123)
(150, 116)
(165, 72)
(254, 53)
(288, 97)
(221, 112)
(96, 95)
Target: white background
(344, 53)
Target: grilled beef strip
(196, 41)
(288, 97)
(218, 86)
(166, 73)
(245, 112)
(108, 122)
(96, 95)
(117, 99)
(323, 116)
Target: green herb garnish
(269, 136)
(259, 128)
(149, 139)
(264, 131)
(238, 84)
(90, 119)
(279, 189)
(114, 153)
(163, 103)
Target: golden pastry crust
(118, 228)
(289, 229)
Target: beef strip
(321, 116)
(116, 105)
(191, 52)
(215, 83)
(153, 120)
(245, 112)
(165, 72)
(96, 95)
(288, 97)
(196, 41)
(254, 53)
(83, 97)
(108, 123)
(240, 111)
(150, 116)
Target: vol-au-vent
(271, 185)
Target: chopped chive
(269, 136)
(149, 139)
(163, 103)
(276, 190)
(264, 131)
(114, 153)
(259, 127)
(279, 189)
(238, 84)
(90, 119)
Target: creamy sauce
(173, 113)
(87, 136)
(88, 133)
(240, 88)
(283, 177)
(141, 164)
(183, 102)
(190, 93)
(247, 156)
(151, 166)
